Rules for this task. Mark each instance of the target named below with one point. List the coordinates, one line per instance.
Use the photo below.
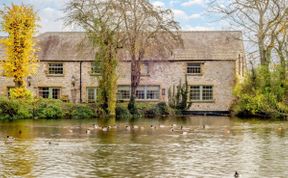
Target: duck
(105, 129)
(135, 127)
(183, 128)
(236, 174)
(70, 130)
(227, 131)
(142, 128)
(162, 126)
(127, 127)
(9, 139)
(152, 127)
(95, 126)
(184, 133)
(88, 131)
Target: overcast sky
(191, 14)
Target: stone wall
(221, 74)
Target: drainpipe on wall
(81, 81)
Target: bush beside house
(13, 109)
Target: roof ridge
(181, 31)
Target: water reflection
(17, 159)
(213, 147)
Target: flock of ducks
(172, 128)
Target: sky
(191, 14)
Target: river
(208, 147)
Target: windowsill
(201, 101)
(141, 100)
(55, 75)
(145, 75)
(190, 74)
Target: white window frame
(50, 68)
(189, 67)
(50, 90)
(94, 94)
(144, 69)
(201, 93)
(146, 89)
(93, 72)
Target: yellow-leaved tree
(20, 59)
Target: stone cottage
(211, 60)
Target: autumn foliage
(20, 60)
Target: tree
(138, 27)
(101, 24)
(20, 60)
(261, 21)
(148, 32)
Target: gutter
(80, 87)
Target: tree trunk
(282, 65)
(135, 76)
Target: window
(144, 68)
(56, 68)
(142, 92)
(46, 92)
(207, 93)
(91, 94)
(95, 68)
(195, 93)
(153, 92)
(123, 92)
(201, 93)
(194, 68)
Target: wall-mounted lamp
(163, 91)
(29, 80)
(73, 81)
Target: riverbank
(12, 109)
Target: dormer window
(55, 69)
(144, 68)
(95, 68)
(194, 68)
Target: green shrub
(122, 112)
(164, 109)
(152, 112)
(262, 93)
(178, 97)
(15, 109)
(48, 109)
(81, 111)
(132, 107)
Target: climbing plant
(100, 23)
(106, 59)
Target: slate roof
(198, 45)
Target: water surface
(212, 147)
